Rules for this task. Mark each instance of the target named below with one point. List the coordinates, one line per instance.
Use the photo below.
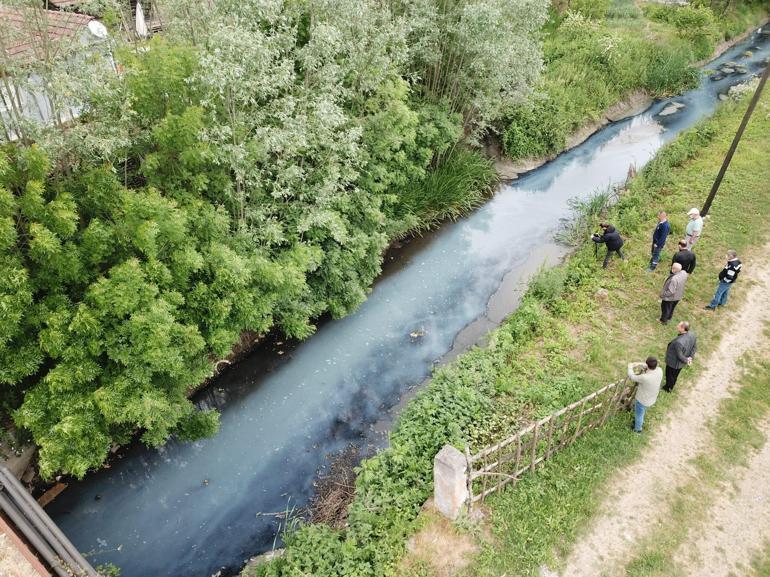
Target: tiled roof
(23, 32)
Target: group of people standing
(681, 350)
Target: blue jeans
(655, 256)
(720, 298)
(639, 410)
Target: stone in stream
(747, 54)
(670, 109)
(740, 69)
(678, 104)
(727, 70)
(716, 77)
(723, 97)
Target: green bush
(595, 9)
(668, 70)
(535, 129)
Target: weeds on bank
(582, 341)
(596, 54)
(563, 341)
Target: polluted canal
(194, 509)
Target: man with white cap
(694, 227)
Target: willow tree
(475, 56)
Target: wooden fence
(494, 467)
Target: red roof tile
(23, 32)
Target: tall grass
(592, 64)
(574, 230)
(458, 185)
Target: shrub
(668, 70)
(535, 128)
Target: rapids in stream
(193, 509)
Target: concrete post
(450, 491)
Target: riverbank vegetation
(242, 172)
(574, 331)
(567, 338)
(597, 53)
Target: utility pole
(736, 140)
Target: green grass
(592, 63)
(457, 186)
(544, 513)
(560, 344)
(760, 566)
(737, 435)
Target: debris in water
(417, 334)
(205, 482)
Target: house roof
(24, 32)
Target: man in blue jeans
(659, 236)
(727, 276)
(648, 376)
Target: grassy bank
(562, 342)
(597, 53)
(587, 342)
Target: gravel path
(637, 496)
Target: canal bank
(195, 507)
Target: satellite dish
(141, 25)
(98, 29)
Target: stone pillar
(450, 491)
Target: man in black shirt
(727, 276)
(685, 257)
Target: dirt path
(637, 496)
(738, 524)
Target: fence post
(450, 488)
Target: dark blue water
(191, 509)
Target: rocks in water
(765, 31)
(723, 97)
(672, 108)
(727, 70)
(716, 77)
(740, 69)
(747, 54)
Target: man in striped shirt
(727, 276)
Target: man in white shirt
(694, 227)
(648, 386)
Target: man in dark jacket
(659, 236)
(611, 238)
(727, 276)
(685, 257)
(679, 353)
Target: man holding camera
(648, 376)
(611, 238)
(672, 293)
